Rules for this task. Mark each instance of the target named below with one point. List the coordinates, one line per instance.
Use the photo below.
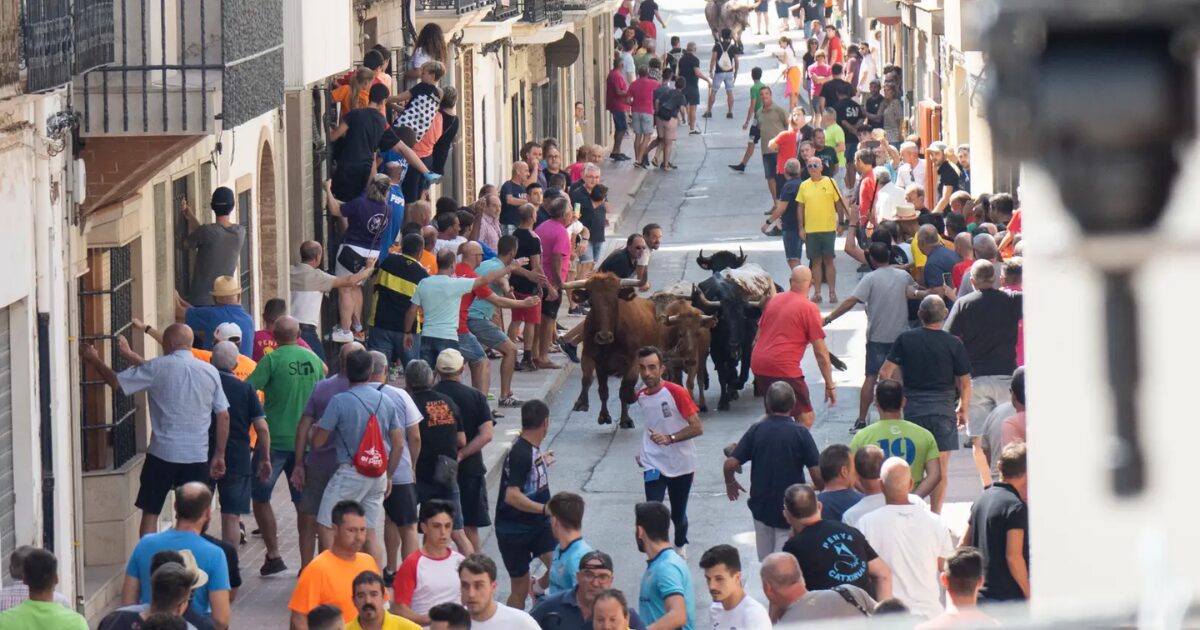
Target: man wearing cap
(227, 331)
(286, 378)
(573, 608)
(476, 421)
(227, 307)
(185, 399)
(193, 509)
(218, 246)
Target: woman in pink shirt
(818, 73)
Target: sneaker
(272, 566)
(526, 365)
(242, 530)
(511, 401)
(491, 396)
(682, 551)
(341, 335)
(639, 165)
(729, 114)
(694, 132)
(569, 349)
(389, 577)
(707, 115)
(741, 168)
(859, 425)
(356, 327)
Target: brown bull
(686, 338)
(618, 325)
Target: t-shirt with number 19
(900, 438)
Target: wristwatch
(671, 436)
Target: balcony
(504, 10)
(316, 40)
(185, 67)
(45, 41)
(581, 5)
(539, 11)
(456, 7)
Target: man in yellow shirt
(370, 598)
(822, 213)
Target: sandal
(816, 299)
(511, 401)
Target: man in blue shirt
(193, 509)
(226, 307)
(574, 607)
(666, 596)
(396, 207)
(566, 523)
(939, 263)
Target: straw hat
(189, 563)
(905, 212)
(225, 286)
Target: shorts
(943, 427)
(793, 247)
(768, 162)
(281, 462)
(350, 180)
(431, 347)
(347, 485)
(667, 129)
(400, 506)
(233, 494)
(487, 332)
(316, 479)
(803, 402)
(528, 314)
(781, 9)
(723, 78)
(755, 134)
(160, 477)
(518, 550)
(643, 123)
(473, 497)
(820, 244)
(469, 346)
(762, 6)
(692, 93)
(620, 121)
(648, 28)
(987, 393)
(339, 270)
(877, 353)
(597, 248)
(427, 491)
(550, 308)
(391, 344)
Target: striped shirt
(395, 284)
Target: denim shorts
(233, 494)
(944, 428)
(877, 353)
(723, 78)
(431, 347)
(597, 249)
(793, 247)
(487, 332)
(469, 346)
(643, 123)
(620, 121)
(281, 462)
(391, 344)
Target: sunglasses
(812, 166)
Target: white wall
(316, 40)
(1091, 552)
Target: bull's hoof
(627, 423)
(604, 419)
(580, 405)
(723, 405)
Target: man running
(723, 66)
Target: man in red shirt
(470, 345)
(790, 322)
(864, 163)
(616, 101)
(641, 95)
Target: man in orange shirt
(329, 578)
(790, 322)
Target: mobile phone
(871, 144)
(948, 279)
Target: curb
(495, 452)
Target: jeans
(391, 344)
(678, 488)
(431, 347)
(309, 334)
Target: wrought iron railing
(458, 6)
(580, 5)
(533, 10)
(46, 31)
(554, 12)
(109, 435)
(504, 10)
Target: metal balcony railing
(52, 39)
(580, 5)
(554, 12)
(459, 7)
(504, 10)
(538, 11)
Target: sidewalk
(263, 602)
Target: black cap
(222, 199)
(596, 560)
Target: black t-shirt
(524, 468)
(620, 264)
(848, 110)
(832, 553)
(510, 214)
(440, 423)
(829, 91)
(528, 245)
(987, 321)
(931, 359)
(244, 407)
(475, 413)
(730, 48)
(872, 104)
(947, 176)
(996, 512)
(646, 10)
(364, 130)
(688, 64)
(398, 277)
(231, 560)
(787, 192)
(587, 212)
(829, 159)
(813, 10)
(673, 57)
(779, 450)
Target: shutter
(8, 525)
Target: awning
(564, 52)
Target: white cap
(227, 331)
(449, 361)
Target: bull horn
(707, 318)
(707, 302)
(671, 318)
(755, 303)
(741, 256)
(574, 284)
(628, 282)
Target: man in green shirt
(751, 110)
(40, 611)
(286, 378)
(901, 438)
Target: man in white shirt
(430, 575)
(887, 195)
(477, 576)
(913, 541)
(912, 167)
(731, 608)
(867, 462)
(867, 68)
(668, 456)
(309, 284)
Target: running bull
(737, 320)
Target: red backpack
(371, 460)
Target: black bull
(733, 337)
